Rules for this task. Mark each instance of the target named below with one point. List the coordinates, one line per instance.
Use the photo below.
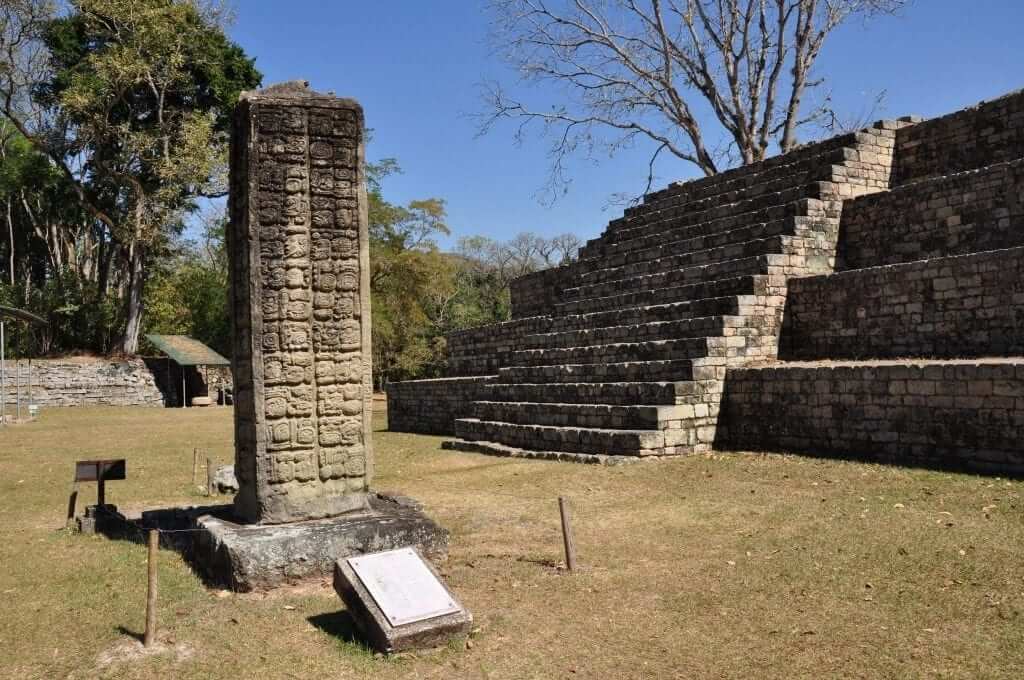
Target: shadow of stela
(178, 531)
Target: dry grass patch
(721, 566)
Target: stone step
(594, 310)
(822, 154)
(687, 309)
(772, 180)
(655, 350)
(795, 201)
(712, 214)
(626, 393)
(726, 269)
(639, 371)
(701, 237)
(736, 251)
(496, 449)
(595, 441)
(692, 225)
(606, 416)
(641, 332)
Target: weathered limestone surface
(245, 557)
(300, 281)
(902, 241)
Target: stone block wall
(534, 294)
(991, 132)
(431, 406)
(485, 349)
(951, 415)
(88, 381)
(966, 306)
(964, 213)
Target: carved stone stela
(300, 294)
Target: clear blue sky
(415, 65)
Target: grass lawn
(721, 566)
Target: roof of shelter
(186, 351)
(21, 315)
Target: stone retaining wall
(431, 406)
(965, 306)
(991, 132)
(964, 213)
(96, 382)
(948, 415)
(99, 381)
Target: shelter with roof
(189, 355)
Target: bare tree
(656, 70)
(567, 246)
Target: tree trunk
(104, 260)
(10, 232)
(129, 342)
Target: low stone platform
(246, 557)
(495, 449)
(947, 414)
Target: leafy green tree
(407, 274)
(188, 292)
(134, 110)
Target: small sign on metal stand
(99, 471)
(398, 601)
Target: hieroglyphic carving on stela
(299, 251)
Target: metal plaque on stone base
(402, 586)
(398, 601)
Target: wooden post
(570, 544)
(101, 491)
(154, 541)
(195, 465)
(209, 477)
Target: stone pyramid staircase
(860, 297)
(631, 357)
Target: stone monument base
(246, 557)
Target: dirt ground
(724, 566)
